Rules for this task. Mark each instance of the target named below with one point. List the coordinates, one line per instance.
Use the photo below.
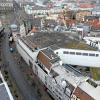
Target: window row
(6, 4)
(79, 53)
(57, 96)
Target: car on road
(12, 49)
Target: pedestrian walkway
(25, 89)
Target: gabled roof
(47, 57)
(85, 5)
(29, 43)
(82, 94)
(44, 60)
(49, 53)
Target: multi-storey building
(63, 83)
(6, 5)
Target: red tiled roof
(86, 6)
(44, 60)
(34, 29)
(82, 95)
(70, 21)
(95, 23)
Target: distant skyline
(25, 0)
(97, 1)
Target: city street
(27, 92)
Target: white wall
(79, 59)
(26, 56)
(23, 54)
(41, 74)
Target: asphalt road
(27, 92)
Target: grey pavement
(27, 92)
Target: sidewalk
(33, 80)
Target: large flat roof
(55, 40)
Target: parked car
(12, 49)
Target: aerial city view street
(49, 49)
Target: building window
(91, 54)
(97, 55)
(92, 83)
(45, 80)
(65, 52)
(85, 54)
(78, 53)
(73, 53)
(56, 52)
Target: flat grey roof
(55, 40)
(3, 93)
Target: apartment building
(6, 5)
